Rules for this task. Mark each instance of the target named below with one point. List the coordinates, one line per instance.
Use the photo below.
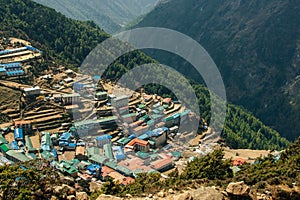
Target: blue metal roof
(65, 136)
(132, 136)
(14, 145)
(16, 64)
(18, 133)
(93, 168)
(31, 48)
(120, 155)
(2, 69)
(177, 115)
(97, 78)
(156, 132)
(15, 73)
(103, 137)
(72, 145)
(144, 136)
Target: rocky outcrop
(108, 197)
(202, 193)
(82, 196)
(238, 189)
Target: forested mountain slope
(255, 44)
(109, 15)
(68, 42)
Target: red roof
(127, 180)
(160, 124)
(148, 97)
(22, 122)
(239, 162)
(167, 100)
(107, 169)
(139, 128)
(135, 124)
(137, 141)
(123, 108)
(158, 165)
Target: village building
(102, 140)
(33, 91)
(139, 145)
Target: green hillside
(254, 43)
(68, 41)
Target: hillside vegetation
(254, 43)
(68, 42)
(212, 170)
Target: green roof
(142, 106)
(101, 93)
(93, 151)
(4, 147)
(176, 154)
(129, 115)
(46, 155)
(143, 155)
(28, 142)
(153, 156)
(3, 140)
(152, 143)
(18, 155)
(66, 167)
(155, 116)
(107, 151)
(112, 165)
(98, 159)
(123, 170)
(124, 141)
(155, 111)
(144, 117)
(168, 119)
(75, 161)
(185, 113)
(150, 122)
(161, 108)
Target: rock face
(238, 189)
(202, 193)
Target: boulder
(82, 196)
(161, 194)
(183, 196)
(53, 198)
(57, 189)
(206, 193)
(171, 191)
(71, 197)
(238, 189)
(70, 190)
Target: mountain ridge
(240, 35)
(109, 15)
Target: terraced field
(9, 103)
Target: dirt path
(247, 154)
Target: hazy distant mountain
(110, 15)
(256, 45)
